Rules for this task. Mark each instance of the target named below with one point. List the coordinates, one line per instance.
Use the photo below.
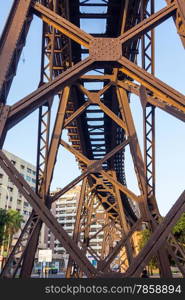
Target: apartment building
(64, 209)
(10, 198)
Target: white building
(10, 197)
(65, 209)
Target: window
(69, 224)
(19, 201)
(22, 167)
(93, 244)
(1, 176)
(11, 198)
(69, 205)
(26, 204)
(33, 172)
(10, 188)
(61, 251)
(33, 180)
(70, 211)
(60, 205)
(29, 170)
(13, 162)
(28, 178)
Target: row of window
(10, 189)
(25, 212)
(67, 211)
(28, 178)
(30, 171)
(19, 202)
(72, 204)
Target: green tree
(3, 221)
(13, 225)
(144, 237)
(179, 230)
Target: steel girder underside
(94, 75)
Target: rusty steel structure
(94, 76)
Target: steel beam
(14, 263)
(180, 19)
(94, 167)
(162, 90)
(153, 100)
(101, 174)
(46, 216)
(4, 111)
(98, 169)
(27, 105)
(95, 98)
(76, 231)
(158, 238)
(12, 42)
(149, 23)
(62, 25)
(109, 259)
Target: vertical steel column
(148, 64)
(77, 225)
(123, 221)
(12, 42)
(47, 60)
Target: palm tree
(3, 221)
(12, 227)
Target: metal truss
(94, 108)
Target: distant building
(64, 209)
(10, 197)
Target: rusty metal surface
(12, 42)
(100, 125)
(105, 49)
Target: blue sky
(170, 134)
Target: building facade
(10, 198)
(65, 209)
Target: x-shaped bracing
(171, 97)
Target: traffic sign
(45, 255)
